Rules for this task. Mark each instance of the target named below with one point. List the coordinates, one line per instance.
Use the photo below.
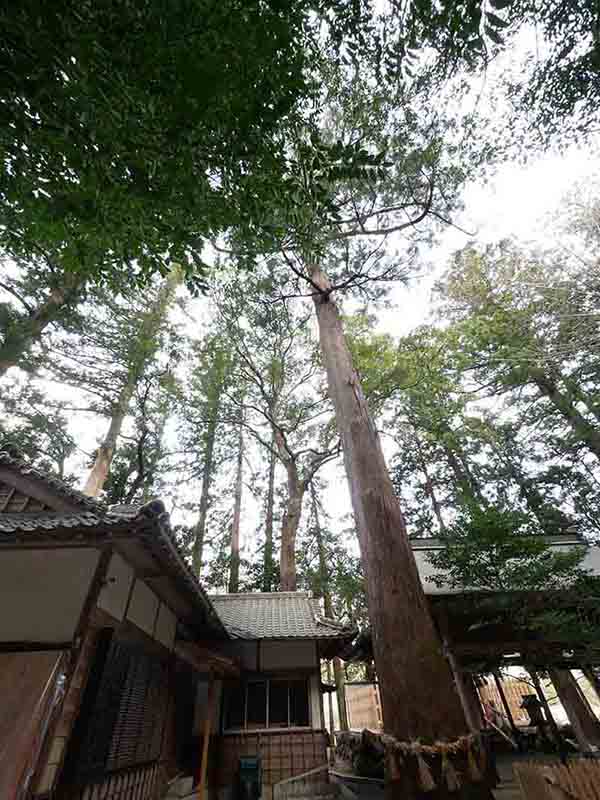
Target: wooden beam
(585, 724)
(8, 498)
(592, 676)
(34, 647)
(465, 692)
(506, 705)
(204, 660)
(210, 710)
(549, 715)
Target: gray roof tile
(59, 520)
(275, 615)
(52, 481)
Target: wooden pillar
(594, 679)
(549, 716)
(466, 691)
(506, 705)
(585, 725)
(210, 712)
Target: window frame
(266, 679)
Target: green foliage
(132, 129)
(32, 430)
(557, 92)
(502, 551)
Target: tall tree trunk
(105, 453)
(340, 690)
(141, 355)
(331, 716)
(564, 403)
(325, 591)
(429, 487)
(291, 520)
(417, 691)
(467, 485)
(322, 589)
(29, 329)
(268, 562)
(207, 471)
(234, 565)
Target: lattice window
(269, 703)
(121, 720)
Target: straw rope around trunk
(471, 746)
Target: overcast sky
(518, 202)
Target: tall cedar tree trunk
(325, 591)
(340, 690)
(417, 691)
(151, 322)
(234, 561)
(104, 455)
(268, 563)
(565, 404)
(207, 471)
(29, 329)
(291, 519)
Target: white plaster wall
(115, 591)
(166, 625)
(426, 570)
(592, 560)
(287, 655)
(42, 592)
(143, 607)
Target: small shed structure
(274, 710)
(481, 632)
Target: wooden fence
(579, 780)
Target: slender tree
(268, 569)
(324, 218)
(140, 350)
(234, 565)
(211, 373)
(285, 408)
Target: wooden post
(210, 707)
(549, 716)
(506, 705)
(585, 725)
(466, 692)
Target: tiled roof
(47, 521)
(275, 615)
(150, 523)
(53, 482)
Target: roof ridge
(250, 595)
